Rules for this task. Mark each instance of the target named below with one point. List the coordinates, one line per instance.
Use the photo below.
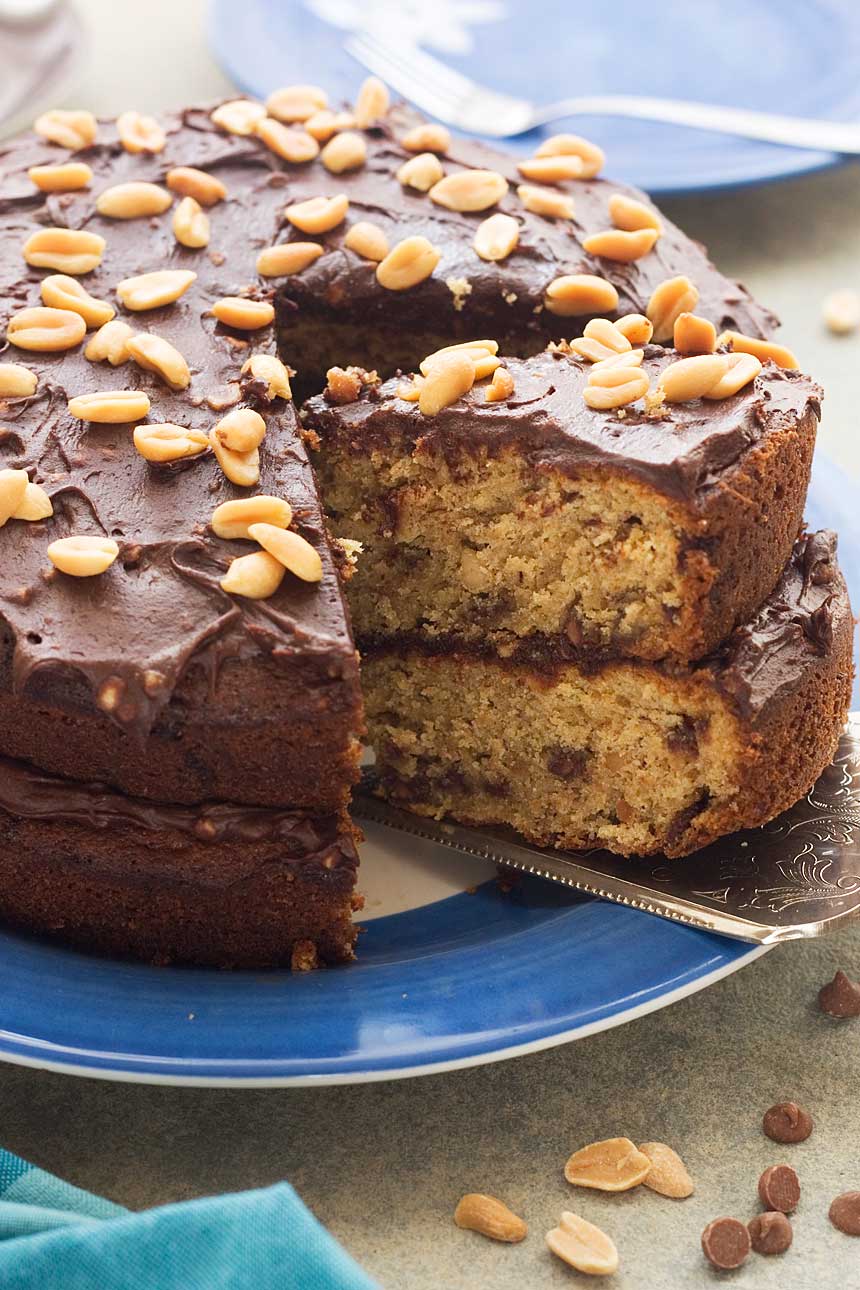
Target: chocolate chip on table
(779, 1189)
(845, 1213)
(770, 1233)
(726, 1243)
(787, 1122)
(840, 998)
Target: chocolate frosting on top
(680, 453)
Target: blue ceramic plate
(450, 972)
(794, 56)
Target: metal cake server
(798, 876)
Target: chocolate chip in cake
(566, 763)
(840, 998)
(787, 1122)
(770, 1233)
(726, 1243)
(844, 1213)
(779, 1189)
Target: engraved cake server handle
(450, 96)
(798, 876)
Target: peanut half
(614, 1164)
(323, 124)
(614, 386)
(256, 576)
(13, 486)
(421, 172)
(630, 215)
(73, 130)
(290, 549)
(367, 240)
(668, 1174)
(346, 151)
(573, 145)
(289, 142)
(286, 258)
(496, 237)
(427, 138)
(35, 505)
(134, 200)
(17, 381)
(614, 244)
(139, 133)
(231, 519)
(450, 377)
(577, 294)
(154, 290)
(164, 442)
(110, 407)
(155, 354)
(372, 103)
(694, 335)
(243, 314)
(469, 190)
(62, 292)
(188, 181)
(491, 1217)
(241, 468)
(583, 1246)
(762, 349)
(45, 330)
(110, 343)
(83, 556)
(242, 430)
(551, 170)
(294, 103)
(636, 327)
(482, 353)
(270, 371)
(239, 116)
(65, 178)
(668, 301)
(407, 264)
(191, 224)
(546, 201)
(68, 250)
(318, 214)
(692, 378)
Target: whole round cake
(570, 554)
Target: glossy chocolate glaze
(679, 453)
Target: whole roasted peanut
(134, 200)
(68, 250)
(45, 330)
(367, 240)
(155, 354)
(164, 441)
(371, 104)
(239, 116)
(294, 103)
(243, 314)
(110, 343)
(13, 486)
(583, 1246)
(188, 181)
(346, 151)
(671, 298)
(286, 258)
(110, 407)
(294, 145)
(241, 430)
(83, 556)
(318, 214)
(191, 224)
(59, 291)
(491, 1217)
(63, 178)
(469, 190)
(573, 145)
(232, 519)
(241, 468)
(421, 172)
(139, 133)
(154, 290)
(17, 381)
(615, 1164)
(70, 129)
(628, 214)
(256, 576)
(668, 1174)
(577, 294)
(290, 549)
(496, 237)
(408, 263)
(546, 201)
(269, 369)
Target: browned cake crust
(647, 536)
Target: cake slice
(632, 756)
(537, 527)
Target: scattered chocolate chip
(845, 1213)
(840, 997)
(726, 1243)
(770, 1233)
(779, 1188)
(787, 1122)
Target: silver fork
(452, 97)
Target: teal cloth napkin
(56, 1237)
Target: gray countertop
(384, 1165)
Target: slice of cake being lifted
(678, 485)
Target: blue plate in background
(795, 56)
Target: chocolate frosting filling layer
(680, 453)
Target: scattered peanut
(323, 124)
(318, 214)
(73, 130)
(269, 369)
(671, 298)
(239, 116)
(546, 201)
(241, 468)
(742, 369)
(367, 240)
(155, 354)
(256, 576)
(164, 442)
(287, 258)
(496, 237)
(628, 214)
(481, 352)
(294, 145)
(501, 387)
(450, 377)
(615, 1164)
(491, 1217)
(371, 104)
(83, 557)
(469, 190)
(694, 335)
(62, 292)
(154, 290)
(133, 201)
(421, 172)
(692, 378)
(13, 486)
(17, 381)
(346, 151)
(614, 385)
(139, 133)
(231, 519)
(188, 181)
(551, 170)
(614, 244)
(34, 506)
(407, 264)
(583, 1246)
(840, 311)
(296, 102)
(190, 224)
(573, 145)
(110, 406)
(762, 349)
(636, 327)
(68, 250)
(65, 178)
(427, 138)
(45, 330)
(243, 314)
(668, 1173)
(577, 294)
(242, 430)
(290, 549)
(110, 343)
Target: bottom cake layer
(218, 884)
(634, 757)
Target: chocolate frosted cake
(180, 711)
